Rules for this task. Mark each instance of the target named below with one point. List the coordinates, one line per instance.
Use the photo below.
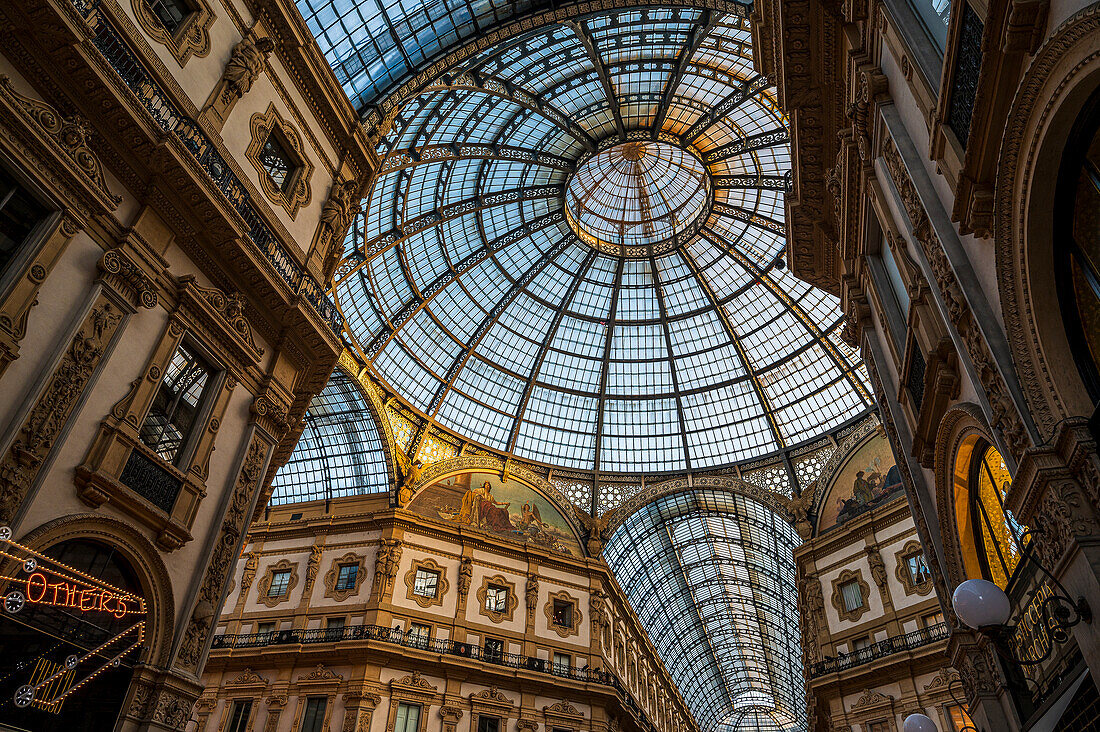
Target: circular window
(638, 199)
(988, 532)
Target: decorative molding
(385, 564)
(902, 571)
(192, 38)
(264, 585)
(246, 62)
(42, 426)
(844, 578)
(564, 708)
(224, 314)
(321, 673)
(336, 215)
(510, 604)
(297, 192)
(225, 553)
(492, 694)
(428, 565)
(247, 677)
(120, 272)
(548, 609)
(878, 573)
(871, 698)
(333, 575)
(67, 136)
(414, 681)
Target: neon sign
(41, 591)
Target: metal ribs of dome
(466, 290)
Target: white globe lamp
(918, 723)
(979, 603)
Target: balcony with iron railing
(395, 636)
(882, 649)
(168, 117)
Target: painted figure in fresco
(863, 490)
(493, 513)
(531, 516)
(470, 512)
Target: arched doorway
(69, 612)
(1077, 247)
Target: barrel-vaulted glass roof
(681, 344)
(712, 578)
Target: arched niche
(1058, 85)
(481, 492)
(861, 475)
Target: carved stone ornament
(248, 676)
(333, 574)
(465, 576)
(228, 310)
(336, 215)
(565, 631)
(878, 573)
(119, 271)
(68, 135)
(526, 725)
(313, 566)
(386, 562)
(562, 707)
(845, 577)
(271, 415)
(225, 554)
(492, 694)
(510, 603)
(942, 680)
(36, 437)
(246, 63)
(296, 191)
(192, 38)
(531, 594)
(414, 681)
(428, 565)
(871, 698)
(321, 673)
(249, 574)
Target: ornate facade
(361, 612)
(938, 190)
(163, 327)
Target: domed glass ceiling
(670, 341)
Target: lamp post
(984, 607)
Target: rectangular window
(419, 635)
(932, 620)
(882, 726)
(176, 407)
(860, 643)
(853, 598)
(278, 162)
(408, 718)
(426, 583)
(170, 13)
(918, 569)
(496, 599)
(488, 724)
(347, 576)
(239, 714)
(20, 214)
(313, 719)
(562, 662)
(280, 583)
(265, 628)
(563, 613)
(494, 650)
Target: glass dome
(573, 252)
(637, 198)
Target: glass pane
(853, 598)
(170, 13)
(177, 404)
(238, 719)
(20, 213)
(313, 719)
(998, 528)
(277, 162)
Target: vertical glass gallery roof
(712, 578)
(573, 250)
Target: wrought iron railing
(151, 481)
(881, 649)
(396, 636)
(168, 117)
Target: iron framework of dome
(469, 293)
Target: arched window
(988, 533)
(1077, 245)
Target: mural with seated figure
(869, 477)
(508, 508)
